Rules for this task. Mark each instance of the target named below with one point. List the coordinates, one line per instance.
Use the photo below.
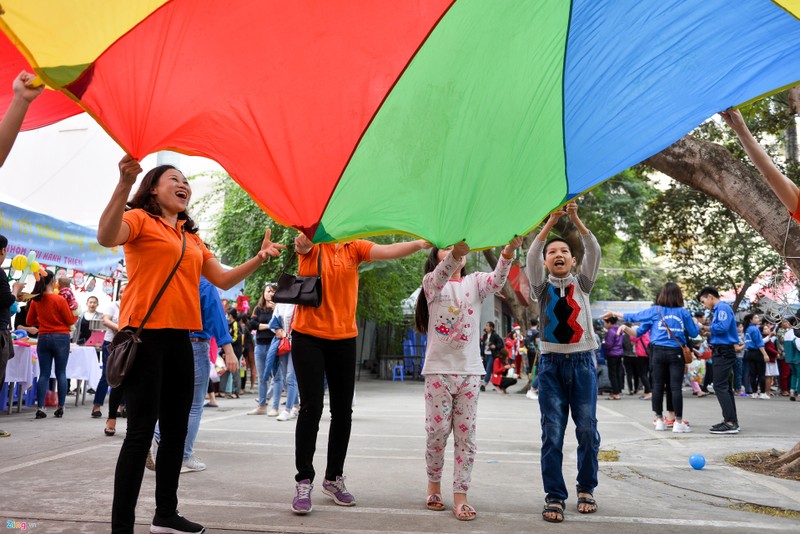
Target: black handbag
(300, 290)
(122, 350)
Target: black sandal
(587, 500)
(551, 508)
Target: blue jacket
(215, 324)
(753, 338)
(723, 326)
(678, 319)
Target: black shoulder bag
(300, 290)
(122, 350)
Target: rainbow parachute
(437, 118)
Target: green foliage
(708, 243)
(238, 230)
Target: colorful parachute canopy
(438, 118)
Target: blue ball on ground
(697, 461)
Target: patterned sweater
(454, 316)
(565, 317)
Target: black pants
(315, 359)
(159, 388)
(506, 382)
(615, 373)
(758, 370)
(724, 360)
(667, 366)
(641, 368)
(631, 376)
(709, 376)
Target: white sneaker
(681, 427)
(296, 411)
(764, 396)
(272, 412)
(660, 424)
(285, 416)
(531, 394)
(191, 464)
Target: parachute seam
(564, 99)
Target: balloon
(19, 262)
(35, 266)
(442, 119)
(697, 461)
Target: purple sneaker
(301, 504)
(336, 490)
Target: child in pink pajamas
(448, 309)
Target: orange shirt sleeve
(135, 220)
(207, 254)
(364, 247)
(796, 214)
(33, 314)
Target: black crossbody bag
(300, 290)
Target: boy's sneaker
(681, 427)
(725, 428)
(336, 490)
(301, 504)
(177, 524)
(659, 424)
(192, 464)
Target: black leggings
(506, 382)
(159, 387)
(641, 366)
(758, 370)
(315, 359)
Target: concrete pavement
(58, 473)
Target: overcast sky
(68, 170)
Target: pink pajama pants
(451, 405)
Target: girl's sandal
(587, 501)
(553, 506)
(110, 431)
(434, 502)
(464, 512)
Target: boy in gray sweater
(567, 378)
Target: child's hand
(460, 250)
(572, 210)
(733, 118)
(555, 216)
(513, 245)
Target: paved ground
(58, 474)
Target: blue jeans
(737, 374)
(202, 370)
(286, 372)
(271, 370)
(102, 385)
(568, 383)
(746, 375)
(261, 358)
(52, 348)
(489, 367)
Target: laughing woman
(152, 227)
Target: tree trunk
(710, 168)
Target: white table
(82, 365)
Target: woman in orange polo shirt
(160, 385)
(324, 345)
(50, 313)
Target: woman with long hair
(156, 232)
(756, 355)
(50, 313)
(668, 323)
(259, 321)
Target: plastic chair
(398, 372)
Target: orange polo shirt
(336, 318)
(151, 251)
(51, 315)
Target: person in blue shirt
(756, 355)
(666, 362)
(215, 324)
(724, 336)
